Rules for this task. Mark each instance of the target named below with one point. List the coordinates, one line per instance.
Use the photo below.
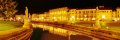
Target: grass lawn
(7, 25)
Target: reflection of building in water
(89, 14)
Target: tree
(7, 7)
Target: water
(39, 34)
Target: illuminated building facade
(82, 14)
(19, 17)
(65, 14)
(35, 17)
(59, 14)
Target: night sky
(39, 6)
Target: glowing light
(42, 17)
(115, 19)
(73, 17)
(54, 17)
(103, 16)
(81, 18)
(77, 18)
(107, 27)
(85, 15)
(93, 18)
(11, 18)
(19, 18)
(118, 19)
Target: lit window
(73, 17)
(93, 18)
(85, 15)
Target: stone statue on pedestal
(26, 22)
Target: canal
(39, 34)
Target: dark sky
(44, 5)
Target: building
(19, 17)
(35, 17)
(98, 13)
(59, 14)
(65, 14)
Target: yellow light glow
(11, 18)
(107, 27)
(42, 17)
(118, 19)
(93, 18)
(54, 17)
(77, 18)
(103, 16)
(19, 18)
(85, 15)
(81, 18)
(115, 19)
(73, 17)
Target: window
(79, 11)
(87, 11)
(91, 11)
(83, 11)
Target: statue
(26, 22)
